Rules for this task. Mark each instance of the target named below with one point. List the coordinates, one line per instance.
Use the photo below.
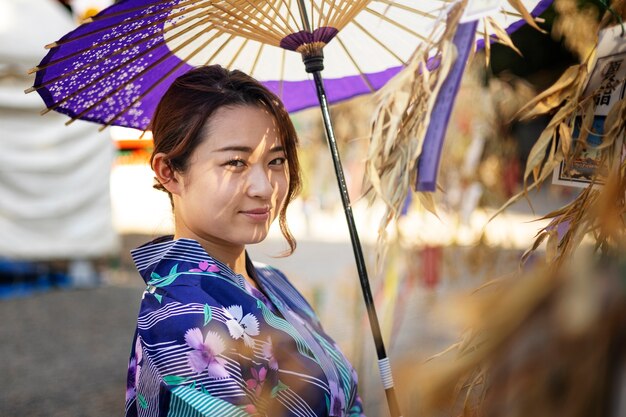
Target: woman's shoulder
(268, 270)
(275, 280)
(273, 276)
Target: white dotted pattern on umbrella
(114, 69)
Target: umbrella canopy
(114, 68)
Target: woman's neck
(233, 256)
(235, 261)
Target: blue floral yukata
(209, 344)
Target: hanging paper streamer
(431, 266)
(428, 163)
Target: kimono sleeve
(357, 408)
(186, 360)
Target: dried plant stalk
(578, 26)
(403, 114)
(518, 359)
(566, 100)
(400, 123)
(524, 325)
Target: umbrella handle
(383, 360)
(390, 392)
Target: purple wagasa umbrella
(114, 68)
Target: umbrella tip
(33, 70)
(87, 20)
(29, 90)
(51, 45)
(44, 111)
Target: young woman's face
(236, 180)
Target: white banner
(54, 179)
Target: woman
(218, 335)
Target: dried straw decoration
(543, 344)
(403, 113)
(565, 100)
(499, 34)
(400, 122)
(550, 341)
(598, 213)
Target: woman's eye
(237, 163)
(278, 161)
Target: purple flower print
(241, 326)
(204, 266)
(205, 353)
(337, 396)
(258, 378)
(130, 382)
(268, 353)
(138, 359)
(134, 370)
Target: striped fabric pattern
(207, 345)
(186, 402)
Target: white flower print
(241, 326)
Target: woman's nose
(259, 183)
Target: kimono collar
(164, 250)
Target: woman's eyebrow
(248, 149)
(278, 148)
(235, 148)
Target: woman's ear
(164, 173)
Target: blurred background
(74, 201)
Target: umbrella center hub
(320, 36)
(312, 56)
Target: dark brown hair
(193, 99)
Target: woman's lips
(259, 215)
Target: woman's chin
(257, 237)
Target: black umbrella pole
(383, 360)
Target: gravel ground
(63, 353)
